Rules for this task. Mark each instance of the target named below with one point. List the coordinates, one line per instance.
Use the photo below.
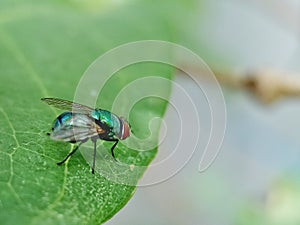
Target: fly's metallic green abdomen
(73, 127)
(61, 120)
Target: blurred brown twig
(266, 85)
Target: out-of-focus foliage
(279, 206)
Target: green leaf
(44, 49)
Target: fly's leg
(94, 159)
(113, 147)
(71, 153)
(95, 151)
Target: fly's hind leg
(71, 153)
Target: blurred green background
(255, 179)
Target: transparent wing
(76, 128)
(67, 105)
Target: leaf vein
(56, 201)
(10, 155)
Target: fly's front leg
(107, 138)
(113, 147)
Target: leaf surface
(44, 49)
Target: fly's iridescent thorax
(109, 119)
